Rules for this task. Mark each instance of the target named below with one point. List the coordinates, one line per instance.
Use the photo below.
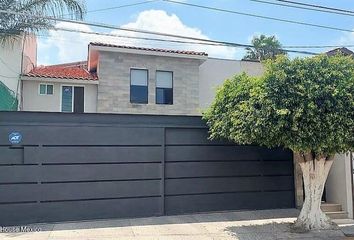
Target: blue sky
(58, 47)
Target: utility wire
(188, 42)
(118, 7)
(122, 6)
(181, 42)
(136, 37)
(304, 8)
(320, 46)
(317, 6)
(261, 16)
(102, 25)
(225, 44)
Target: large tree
(264, 48)
(13, 26)
(306, 105)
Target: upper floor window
(46, 89)
(139, 86)
(164, 87)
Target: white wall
(10, 64)
(213, 72)
(11, 58)
(338, 185)
(32, 101)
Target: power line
(320, 46)
(261, 16)
(189, 42)
(108, 26)
(304, 8)
(121, 6)
(166, 40)
(221, 44)
(317, 6)
(136, 37)
(102, 25)
(184, 42)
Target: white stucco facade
(33, 101)
(339, 183)
(213, 72)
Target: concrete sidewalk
(247, 225)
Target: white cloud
(346, 39)
(66, 46)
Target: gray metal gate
(90, 166)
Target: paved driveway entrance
(248, 225)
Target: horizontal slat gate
(90, 166)
(202, 175)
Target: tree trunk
(315, 170)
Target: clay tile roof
(63, 71)
(150, 49)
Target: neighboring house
(60, 88)
(344, 51)
(122, 79)
(16, 57)
(339, 185)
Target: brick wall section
(114, 87)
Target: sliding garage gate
(87, 166)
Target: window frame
(46, 89)
(164, 88)
(147, 85)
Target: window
(46, 89)
(72, 99)
(138, 86)
(164, 87)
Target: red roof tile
(64, 71)
(150, 49)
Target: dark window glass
(42, 89)
(164, 87)
(78, 99)
(138, 86)
(164, 96)
(50, 89)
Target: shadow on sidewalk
(279, 231)
(228, 216)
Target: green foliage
(8, 100)
(306, 105)
(13, 26)
(264, 48)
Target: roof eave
(148, 52)
(59, 80)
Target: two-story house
(135, 80)
(122, 79)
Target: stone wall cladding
(114, 86)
